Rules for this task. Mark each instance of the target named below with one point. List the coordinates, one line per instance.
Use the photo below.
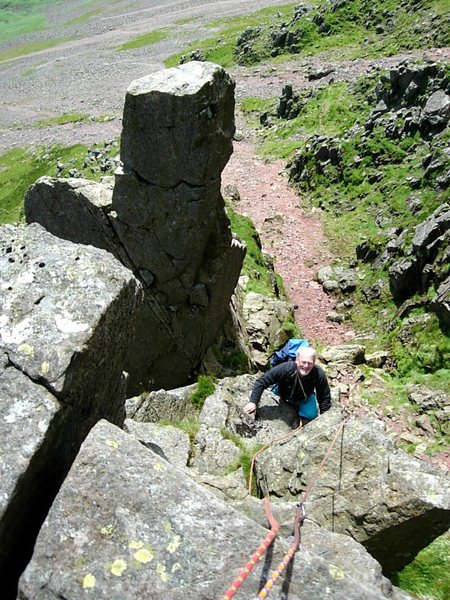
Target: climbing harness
(300, 516)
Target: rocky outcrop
(434, 405)
(441, 303)
(391, 503)
(425, 260)
(66, 314)
(167, 538)
(164, 218)
(264, 318)
(386, 500)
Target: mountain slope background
(309, 78)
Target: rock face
(164, 219)
(391, 503)
(195, 103)
(428, 251)
(66, 313)
(167, 538)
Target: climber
(301, 383)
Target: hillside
(343, 160)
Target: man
(300, 383)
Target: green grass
(428, 575)
(246, 454)
(22, 16)
(84, 17)
(350, 30)
(30, 48)
(21, 167)
(205, 387)
(330, 111)
(254, 267)
(63, 119)
(188, 425)
(66, 118)
(146, 39)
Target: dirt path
(294, 239)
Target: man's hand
(249, 409)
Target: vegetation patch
(30, 48)
(63, 119)
(354, 28)
(152, 37)
(84, 17)
(245, 458)
(205, 387)
(427, 575)
(220, 47)
(254, 267)
(22, 16)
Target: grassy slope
(22, 16)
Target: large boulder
(436, 111)
(74, 209)
(171, 405)
(166, 538)
(393, 504)
(67, 312)
(433, 228)
(188, 114)
(264, 318)
(165, 218)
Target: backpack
(288, 351)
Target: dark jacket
(289, 388)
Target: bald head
(305, 360)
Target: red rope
(298, 522)
(261, 550)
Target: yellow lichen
(80, 562)
(174, 544)
(144, 556)
(135, 545)
(45, 367)
(89, 581)
(159, 467)
(113, 444)
(162, 572)
(176, 567)
(107, 530)
(118, 567)
(167, 526)
(26, 349)
(336, 572)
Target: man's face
(305, 363)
